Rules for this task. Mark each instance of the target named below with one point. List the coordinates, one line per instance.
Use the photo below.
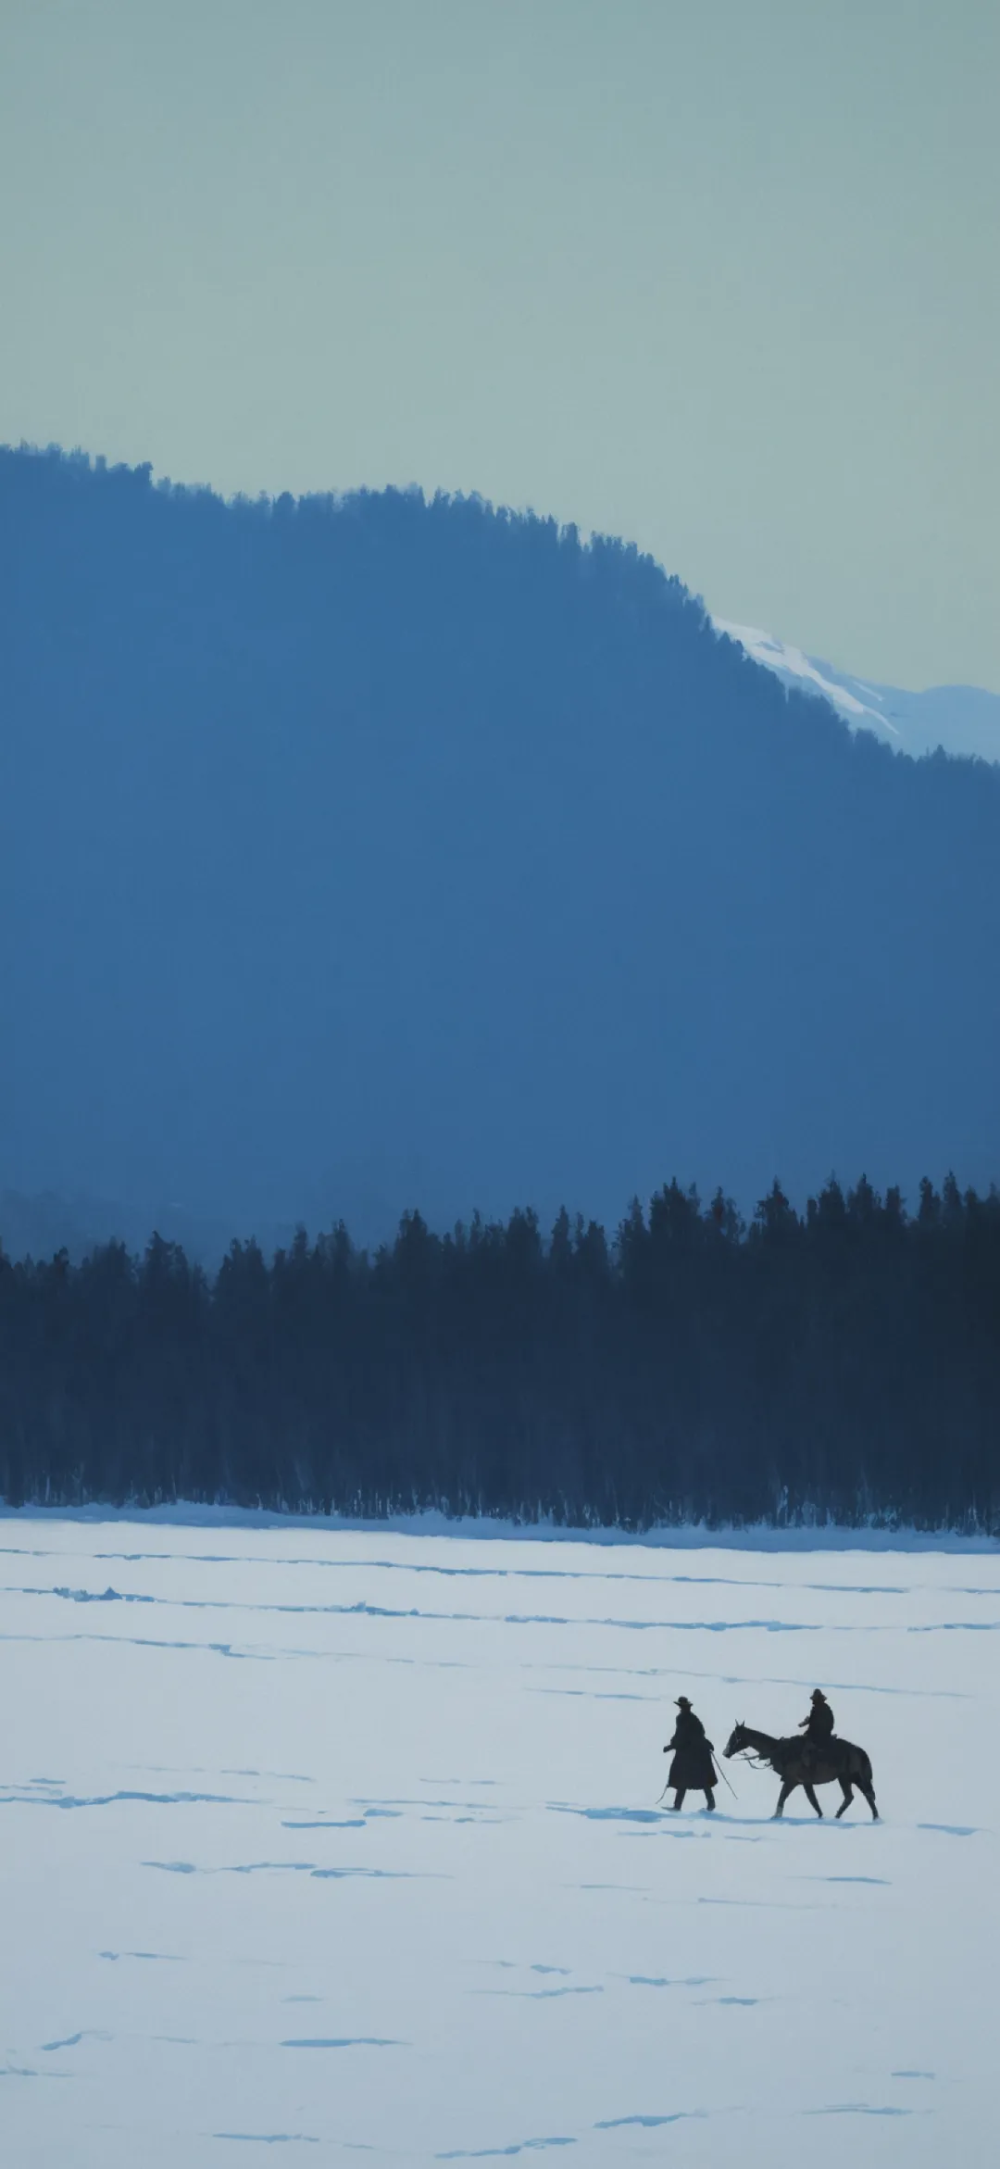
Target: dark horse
(799, 1764)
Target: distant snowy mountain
(960, 718)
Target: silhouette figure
(692, 1767)
(818, 1726)
(819, 1743)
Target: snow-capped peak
(963, 719)
(794, 667)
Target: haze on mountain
(378, 851)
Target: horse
(798, 1763)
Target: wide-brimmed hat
(817, 1695)
(682, 1703)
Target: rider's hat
(682, 1703)
(817, 1695)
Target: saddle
(834, 1750)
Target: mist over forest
(359, 854)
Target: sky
(722, 278)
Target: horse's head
(738, 1739)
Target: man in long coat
(692, 1768)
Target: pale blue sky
(724, 278)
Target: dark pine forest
(840, 1363)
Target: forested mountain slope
(366, 852)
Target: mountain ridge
(960, 720)
(382, 848)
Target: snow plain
(328, 1843)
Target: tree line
(843, 1362)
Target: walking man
(692, 1768)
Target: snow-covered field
(348, 1841)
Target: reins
(725, 1780)
(757, 1761)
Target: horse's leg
(848, 1791)
(869, 1793)
(786, 1788)
(811, 1797)
(710, 1799)
(679, 1798)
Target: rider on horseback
(818, 1729)
(818, 1726)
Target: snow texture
(962, 719)
(329, 1842)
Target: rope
(725, 1780)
